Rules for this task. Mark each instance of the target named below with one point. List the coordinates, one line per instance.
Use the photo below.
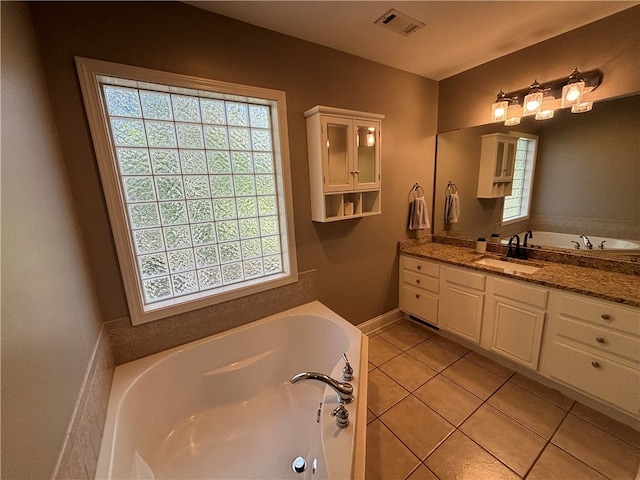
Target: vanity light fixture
(542, 100)
(546, 108)
(506, 109)
(499, 108)
(514, 112)
(582, 107)
(533, 100)
(572, 91)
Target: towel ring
(451, 188)
(415, 192)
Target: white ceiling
(458, 34)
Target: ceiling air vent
(399, 22)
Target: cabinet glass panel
(511, 154)
(366, 143)
(337, 154)
(499, 156)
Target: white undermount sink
(508, 267)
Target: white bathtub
(223, 406)
(565, 240)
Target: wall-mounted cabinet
(497, 160)
(344, 163)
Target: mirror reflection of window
(517, 206)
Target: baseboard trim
(380, 321)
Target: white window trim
(530, 168)
(89, 71)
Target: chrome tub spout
(343, 389)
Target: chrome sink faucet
(343, 389)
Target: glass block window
(196, 174)
(200, 180)
(517, 206)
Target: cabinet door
(498, 167)
(461, 312)
(337, 154)
(505, 160)
(367, 160)
(509, 160)
(517, 332)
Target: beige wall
(355, 259)
(611, 45)
(50, 318)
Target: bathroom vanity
(577, 326)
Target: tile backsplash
(79, 454)
(132, 342)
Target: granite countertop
(608, 285)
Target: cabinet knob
(595, 364)
(418, 281)
(419, 267)
(599, 339)
(605, 316)
(418, 296)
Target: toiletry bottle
(481, 245)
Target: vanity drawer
(604, 378)
(536, 297)
(419, 303)
(418, 280)
(465, 278)
(420, 266)
(626, 319)
(602, 339)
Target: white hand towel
(418, 214)
(452, 208)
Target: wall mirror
(586, 178)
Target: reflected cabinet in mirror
(585, 180)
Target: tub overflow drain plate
(299, 465)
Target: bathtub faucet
(587, 243)
(343, 389)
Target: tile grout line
(547, 444)
(404, 348)
(578, 459)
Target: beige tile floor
(440, 411)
